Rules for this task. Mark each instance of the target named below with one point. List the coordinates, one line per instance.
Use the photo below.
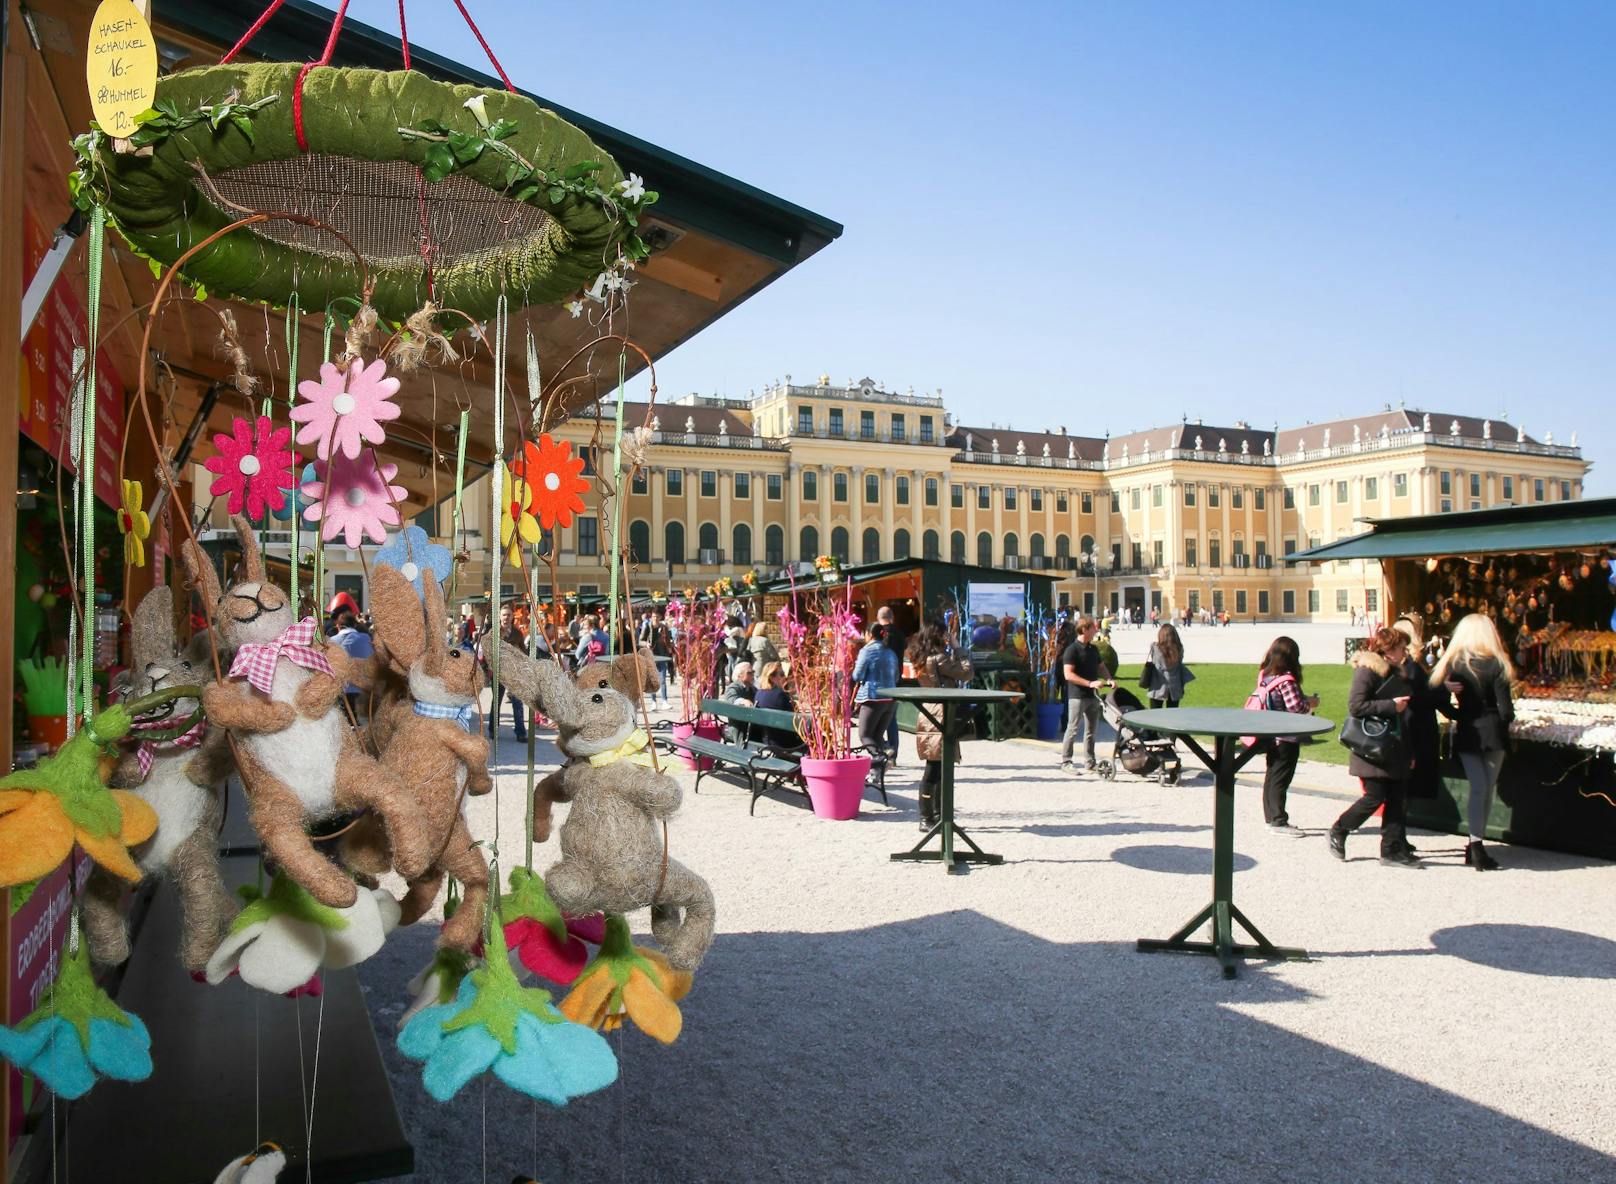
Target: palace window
(741, 545)
(925, 429)
(1189, 552)
(1287, 600)
(640, 483)
(984, 549)
(1313, 600)
(639, 541)
(674, 481)
(1260, 499)
(1445, 483)
(872, 545)
(931, 491)
(1156, 495)
(866, 425)
(930, 546)
(836, 421)
(1400, 485)
(1313, 497)
(900, 431)
(956, 498)
(673, 542)
(1537, 490)
(808, 544)
(1116, 501)
(872, 488)
(1237, 498)
(1214, 497)
(1341, 600)
(900, 544)
(1509, 489)
(1134, 498)
(709, 483)
(774, 546)
(1009, 497)
(1189, 493)
(1341, 493)
(805, 421)
(1037, 496)
(838, 487)
(1214, 551)
(773, 486)
(956, 547)
(707, 543)
(810, 487)
(1371, 488)
(1240, 602)
(589, 536)
(839, 544)
(1262, 602)
(901, 491)
(1475, 484)
(984, 498)
(743, 485)
(1156, 553)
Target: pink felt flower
(252, 467)
(558, 959)
(353, 499)
(346, 409)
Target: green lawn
(1228, 684)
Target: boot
(928, 808)
(1476, 856)
(1338, 843)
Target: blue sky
(1110, 215)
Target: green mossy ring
(162, 204)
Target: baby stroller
(1137, 751)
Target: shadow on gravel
(1178, 861)
(1530, 949)
(953, 1047)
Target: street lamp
(1092, 558)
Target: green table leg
(1222, 911)
(953, 861)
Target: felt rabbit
(300, 761)
(612, 853)
(183, 780)
(435, 747)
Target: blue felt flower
(77, 1035)
(413, 552)
(496, 1023)
(294, 496)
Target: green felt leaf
(439, 162)
(287, 898)
(501, 998)
(466, 147)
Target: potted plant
(698, 632)
(829, 569)
(45, 697)
(821, 648)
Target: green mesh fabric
(163, 205)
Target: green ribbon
(294, 314)
(617, 503)
(92, 332)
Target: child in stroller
(1140, 752)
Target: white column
(889, 497)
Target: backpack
(1261, 699)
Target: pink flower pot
(707, 730)
(836, 787)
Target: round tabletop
(1226, 721)
(946, 695)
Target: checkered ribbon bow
(147, 752)
(461, 715)
(257, 660)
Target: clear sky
(1111, 215)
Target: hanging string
(294, 316)
(403, 34)
(252, 32)
(92, 330)
(478, 33)
(75, 619)
(617, 504)
(501, 327)
(460, 489)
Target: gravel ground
(862, 1020)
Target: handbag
(1378, 739)
(1147, 676)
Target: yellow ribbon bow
(634, 750)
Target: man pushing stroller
(1087, 680)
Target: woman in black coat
(1477, 670)
(1379, 690)
(1427, 698)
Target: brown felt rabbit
(435, 747)
(612, 854)
(183, 780)
(300, 760)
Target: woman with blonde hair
(1476, 670)
(759, 648)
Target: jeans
(518, 717)
(1078, 711)
(1282, 758)
(665, 671)
(1378, 790)
(873, 717)
(1481, 770)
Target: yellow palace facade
(1190, 516)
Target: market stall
(1545, 574)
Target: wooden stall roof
(1550, 526)
(717, 242)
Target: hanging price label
(120, 67)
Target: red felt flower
(551, 473)
(253, 465)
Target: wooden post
(13, 129)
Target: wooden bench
(754, 749)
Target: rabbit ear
(251, 560)
(201, 576)
(437, 650)
(399, 623)
(635, 674)
(151, 635)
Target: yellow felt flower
(133, 524)
(516, 524)
(37, 834)
(625, 980)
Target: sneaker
(1401, 858)
(1068, 767)
(1338, 844)
(1088, 766)
(1285, 828)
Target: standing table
(1225, 725)
(949, 700)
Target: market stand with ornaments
(1546, 574)
(480, 206)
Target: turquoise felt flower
(77, 1035)
(295, 501)
(412, 552)
(496, 1023)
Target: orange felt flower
(36, 835)
(626, 980)
(555, 488)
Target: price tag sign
(121, 66)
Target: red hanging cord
(477, 33)
(403, 34)
(252, 32)
(297, 85)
